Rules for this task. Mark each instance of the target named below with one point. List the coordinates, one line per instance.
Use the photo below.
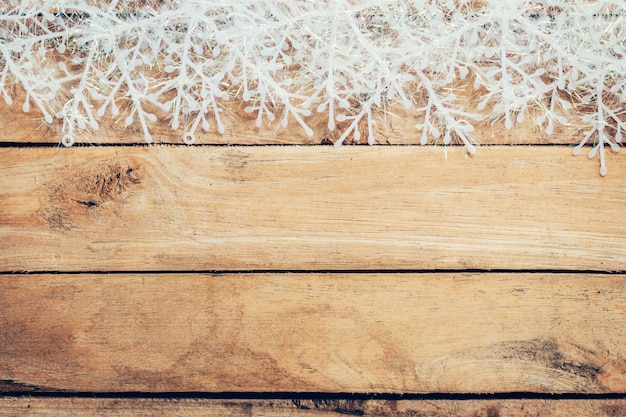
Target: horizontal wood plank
(83, 407)
(308, 208)
(369, 333)
(394, 126)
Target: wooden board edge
(319, 407)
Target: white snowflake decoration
(81, 60)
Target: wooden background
(235, 278)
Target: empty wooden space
(283, 270)
(308, 208)
(340, 333)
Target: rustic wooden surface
(307, 332)
(89, 211)
(176, 210)
(308, 208)
(82, 407)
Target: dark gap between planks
(313, 395)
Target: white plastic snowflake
(79, 61)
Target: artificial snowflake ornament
(552, 61)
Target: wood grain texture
(308, 208)
(396, 126)
(82, 407)
(389, 333)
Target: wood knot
(94, 187)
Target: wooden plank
(370, 333)
(308, 208)
(83, 407)
(396, 126)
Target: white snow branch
(79, 61)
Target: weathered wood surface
(311, 208)
(395, 126)
(394, 333)
(83, 407)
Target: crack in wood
(85, 203)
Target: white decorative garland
(79, 60)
